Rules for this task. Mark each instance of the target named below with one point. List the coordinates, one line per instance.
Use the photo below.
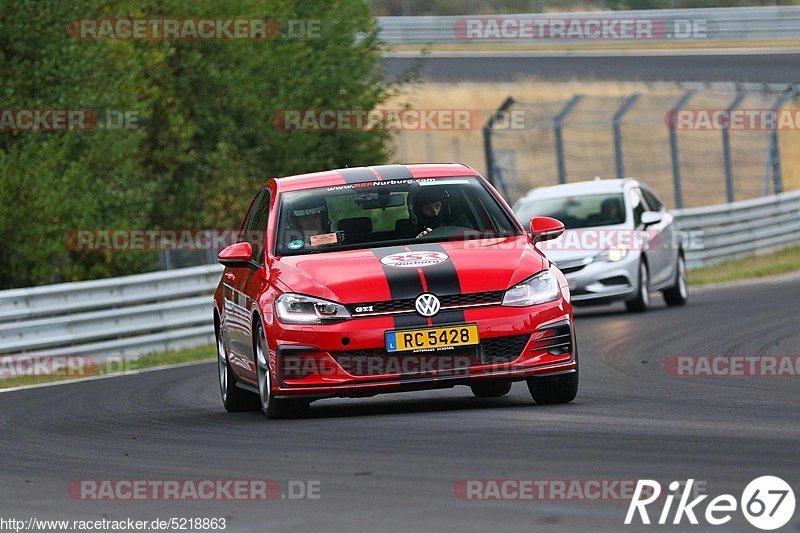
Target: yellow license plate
(431, 338)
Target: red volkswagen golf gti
(391, 278)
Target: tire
(641, 302)
(490, 389)
(678, 294)
(234, 399)
(556, 389)
(271, 406)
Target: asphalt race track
(709, 66)
(390, 462)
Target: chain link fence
(693, 146)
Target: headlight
(538, 289)
(613, 254)
(299, 309)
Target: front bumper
(602, 281)
(348, 359)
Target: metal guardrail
(125, 316)
(144, 313)
(715, 24)
(741, 229)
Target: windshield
(580, 211)
(382, 213)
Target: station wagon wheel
(678, 294)
(641, 302)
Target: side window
(255, 226)
(638, 205)
(652, 200)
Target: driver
(310, 216)
(430, 205)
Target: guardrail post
(673, 147)
(617, 128)
(726, 144)
(774, 145)
(491, 171)
(558, 124)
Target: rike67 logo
(767, 503)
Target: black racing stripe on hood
(404, 283)
(393, 172)
(357, 175)
(442, 280)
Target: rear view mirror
(380, 201)
(545, 228)
(238, 255)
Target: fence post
(726, 144)
(617, 127)
(673, 147)
(558, 123)
(488, 150)
(774, 145)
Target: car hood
(356, 276)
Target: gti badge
(427, 304)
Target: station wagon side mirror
(238, 255)
(651, 217)
(545, 228)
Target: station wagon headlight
(613, 254)
(300, 309)
(538, 289)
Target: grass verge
(77, 367)
(760, 266)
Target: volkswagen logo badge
(427, 304)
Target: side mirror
(238, 255)
(545, 228)
(651, 217)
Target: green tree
(205, 139)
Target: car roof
(373, 173)
(595, 186)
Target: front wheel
(678, 294)
(233, 398)
(556, 389)
(273, 407)
(490, 389)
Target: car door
(667, 250)
(237, 301)
(254, 282)
(657, 252)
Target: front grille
(374, 361)
(502, 350)
(407, 305)
(570, 270)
